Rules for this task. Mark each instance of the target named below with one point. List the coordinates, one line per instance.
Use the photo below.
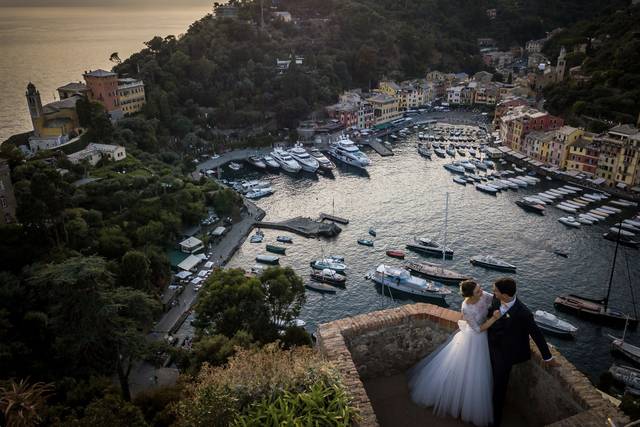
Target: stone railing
(389, 342)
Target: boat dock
(378, 147)
(339, 220)
(302, 226)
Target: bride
(456, 379)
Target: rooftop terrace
(373, 352)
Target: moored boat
(492, 262)
(284, 239)
(268, 259)
(401, 280)
(328, 276)
(365, 242)
(307, 162)
(396, 253)
(435, 251)
(551, 323)
(320, 287)
(593, 309)
(329, 263)
(436, 272)
(256, 162)
(276, 249)
(531, 207)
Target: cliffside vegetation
(607, 48)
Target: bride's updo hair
(467, 287)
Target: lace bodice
(476, 314)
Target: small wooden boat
(395, 253)
(493, 263)
(320, 287)
(436, 272)
(284, 239)
(268, 259)
(372, 231)
(276, 249)
(550, 323)
(365, 242)
(328, 276)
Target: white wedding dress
(456, 379)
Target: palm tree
(21, 403)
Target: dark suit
(509, 345)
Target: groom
(509, 340)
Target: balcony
(374, 351)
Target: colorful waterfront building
(583, 156)
(519, 121)
(619, 159)
(537, 145)
(385, 108)
(103, 88)
(562, 140)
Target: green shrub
(323, 404)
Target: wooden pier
(378, 147)
(339, 220)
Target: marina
(404, 196)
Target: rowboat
(396, 253)
(365, 242)
(268, 259)
(320, 287)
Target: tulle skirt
(456, 379)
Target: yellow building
(564, 137)
(131, 96)
(385, 108)
(394, 90)
(619, 160)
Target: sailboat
(437, 272)
(598, 310)
(618, 345)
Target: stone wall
(389, 342)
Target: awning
(190, 263)
(183, 274)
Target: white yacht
(347, 152)
(260, 192)
(286, 162)
(326, 165)
(270, 162)
(401, 280)
(307, 162)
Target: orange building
(103, 88)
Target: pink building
(103, 88)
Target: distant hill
(222, 73)
(609, 62)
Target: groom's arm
(536, 334)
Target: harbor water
(403, 197)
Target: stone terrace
(373, 352)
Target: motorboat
(455, 168)
(531, 207)
(395, 253)
(451, 152)
(490, 164)
(473, 152)
(401, 280)
(624, 203)
(583, 220)
(561, 253)
(258, 237)
(551, 323)
(246, 186)
(259, 192)
(440, 152)
(347, 152)
(461, 152)
(566, 208)
(623, 233)
(327, 275)
(610, 209)
(256, 162)
(268, 259)
(486, 188)
(623, 240)
(270, 162)
(235, 166)
(276, 249)
(467, 165)
(329, 263)
(284, 239)
(365, 242)
(509, 184)
(460, 180)
(320, 287)
(336, 258)
(307, 162)
(534, 199)
(492, 263)
(627, 375)
(480, 165)
(426, 241)
(569, 221)
(286, 162)
(372, 231)
(630, 351)
(519, 182)
(424, 151)
(436, 272)
(631, 222)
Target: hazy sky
(118, 3)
